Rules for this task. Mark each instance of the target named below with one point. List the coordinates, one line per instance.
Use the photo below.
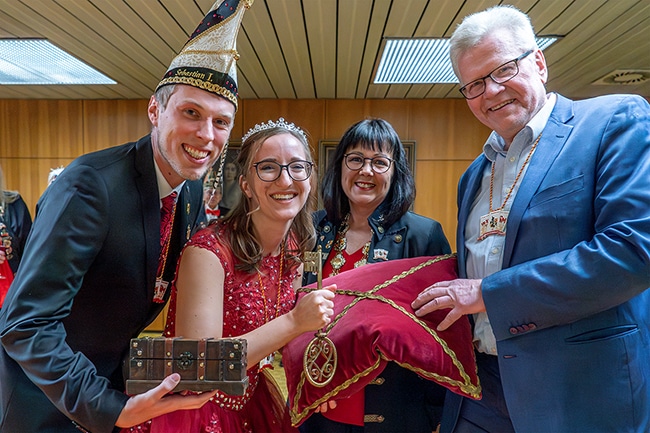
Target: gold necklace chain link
(278, 295)
(521, 170)
(340, 245)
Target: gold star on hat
(208, 59)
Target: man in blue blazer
(553, 245)
(96, 269)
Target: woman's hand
(315, 309)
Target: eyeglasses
(270, 171)
(500, 75)
(378, 164)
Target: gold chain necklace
(341, 243)
(521, 170)
(278, 296)
(161, 285)
(267, 362)
(494, 223)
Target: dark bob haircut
(377, 135)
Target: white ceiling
(306, 49)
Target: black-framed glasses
(499, 75)
(270, 171)
(378, 164)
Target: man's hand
(157, 401)
(3, 256)
(461, 296)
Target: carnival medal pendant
(337, 262)
(266, 362)
(494, 223)
(159, 290)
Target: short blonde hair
(54, 172)
(475, 27)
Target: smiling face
(282, 199)
(364, 188)
(506, 108)
(189, 134)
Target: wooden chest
(204, 364)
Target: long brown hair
(301, 236)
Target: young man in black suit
(95, 272)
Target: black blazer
(85, 288)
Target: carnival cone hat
(208, 60)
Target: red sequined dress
(262, 409)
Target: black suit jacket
(85, 288)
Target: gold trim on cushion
(297, 417)
(465, 384)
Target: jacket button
(398, 238)
(326, 229)
(514, 331)
(380, 229)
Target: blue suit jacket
(84, 289)
(570, 309)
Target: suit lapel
(150, 204)
(470, 186)
(554, 137)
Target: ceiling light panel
(38, 62)
(422, 61)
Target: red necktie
(166, 223)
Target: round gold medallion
(319, 361)
(337, 262)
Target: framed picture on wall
(326, 153)
(228, 180)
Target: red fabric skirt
(265, 412)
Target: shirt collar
(164, 188)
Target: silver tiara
(271, 124)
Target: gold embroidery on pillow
(465, 385)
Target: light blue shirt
(485, 257)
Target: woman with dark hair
(238, 276)
(367, 191)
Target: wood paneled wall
(36, 135)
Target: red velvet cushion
(381, 327)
